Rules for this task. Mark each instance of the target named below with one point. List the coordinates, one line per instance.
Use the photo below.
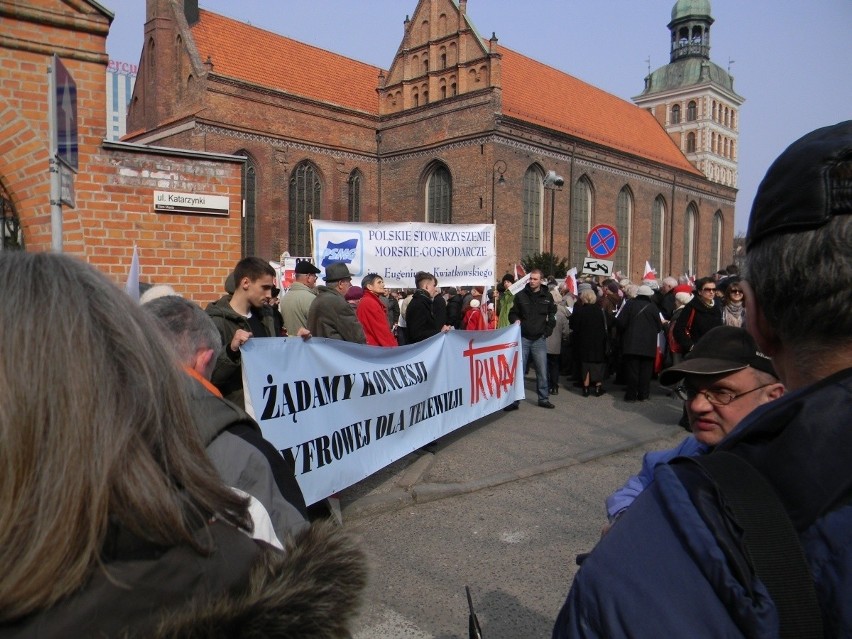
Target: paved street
(504, 506)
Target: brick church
(458, 129)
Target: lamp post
(498, 169)
(553, 183)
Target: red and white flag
(571, 281)
(650, 273)
(519, 271)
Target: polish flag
(650, 274)
(519, 271)
(571, 281)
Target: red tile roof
(539, 94)
(532, 91)
(242, 51)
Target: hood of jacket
(312, 590)
(214, 414)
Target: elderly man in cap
(330, 314)
(697, 555)
(723, 379)
(297, 301)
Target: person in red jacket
(372, 313)
(473, 318)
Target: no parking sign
(602, 241)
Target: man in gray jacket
(330, 314)
(297, 301)
(234, 443)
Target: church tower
(693, 98)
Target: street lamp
(553, 183)
(498, 169)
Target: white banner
(457, 254)
(342, 411)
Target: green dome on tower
(685, 8)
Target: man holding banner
(239, 318)
(330, 314)
(420, 314)
(535, 310)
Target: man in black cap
(682, 561)
(330, 314)
(723, 379)
(297, 301)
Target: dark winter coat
(679, 541)
(245, 460)
(639, 323)
(536, 310)
(420, 318)
(455, 316)
(589, 332)
(241, 589)
(703, 318)
(227, 374)
(331, 316)
(439, 310)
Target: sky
(791, 60)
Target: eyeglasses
(705, 290)
(715, 397)
(735, 292)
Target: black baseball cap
(306, 268)
(809, 183)
(724, 349)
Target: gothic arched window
(354, 189)
(581, 220)
(248, 245)
(690, 226)
(305, 204)
(623, 218)
(531, 229)
(658, 219)
(716, 242)
(439, 196)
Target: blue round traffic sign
(602, 241)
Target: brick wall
(466, 133)
(115, 184)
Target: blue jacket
(624, 496)
(674, 563)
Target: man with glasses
(690, 558)
(297, 301)
(698, 317)
(723, 379)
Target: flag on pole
(571, 281)
(519, 271)
(650, 273)
(132, 285)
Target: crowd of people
(139, 499)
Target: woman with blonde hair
(113, 522)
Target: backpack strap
(771, 542)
